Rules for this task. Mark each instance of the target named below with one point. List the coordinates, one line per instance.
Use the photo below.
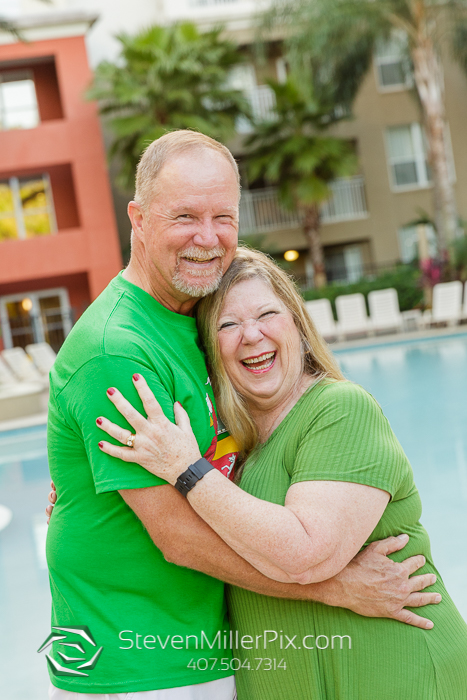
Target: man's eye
(184, 216)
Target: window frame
(419, 158)
(379, 60)
(18, 211)
(35, 296)
(412, 231)
(16, 75)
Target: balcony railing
(208, 3)
(262, 101)
(260, 211)
(348, 201)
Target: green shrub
(406, 279)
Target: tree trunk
(429, 82)
(311, 225)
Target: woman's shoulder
(340, 394)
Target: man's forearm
(186, 540)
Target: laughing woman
(322, 476)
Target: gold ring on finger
(131, 440)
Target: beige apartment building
(368, 224)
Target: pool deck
(398, 338)
(354, 344)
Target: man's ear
(137, 218)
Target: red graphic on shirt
(221, 454)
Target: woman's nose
(251, 332)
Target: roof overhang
(48, 25)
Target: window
(18, 102)
(35, 317)
(408, 242)
(392, 62)
(407, 157)
(281, 70)
(344, 264)
(26, 208)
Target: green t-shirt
(105, 572)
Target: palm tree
(290, 152)
(338, 38)
(167, 78)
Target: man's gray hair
(172, 144)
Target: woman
(322, 475)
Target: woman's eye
(268, 314)
(227, 324)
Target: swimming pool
(422, 388)
(24, 581)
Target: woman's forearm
(269, 536)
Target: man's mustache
(202, 253)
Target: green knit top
(309, 651)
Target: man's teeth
(199, 259)
(261, 359)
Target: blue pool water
(422, 388)
(24, 583)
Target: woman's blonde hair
(317, 360)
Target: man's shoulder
(104, 328)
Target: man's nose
(206, 236)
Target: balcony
(347, 203)
(210, 3)
(263, 107)
(260, 211)
(209, 10)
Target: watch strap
(192, 475)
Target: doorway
(35, 317)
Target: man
(119, 536)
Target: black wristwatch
(193, 474)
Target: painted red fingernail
(136, 377)
(101, 445)
(111, 391)
(99, 421)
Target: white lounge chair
(352, 315)
(5, 517)
(447, 304)
(43, 357)
(7, 378)
(21, 365)
(384, 310)
(320, 311)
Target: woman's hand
(52, 500)
(161, 447)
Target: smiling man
(129, 560)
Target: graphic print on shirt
(222, 452)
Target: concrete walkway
(397, 338)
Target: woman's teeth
(261, 362)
